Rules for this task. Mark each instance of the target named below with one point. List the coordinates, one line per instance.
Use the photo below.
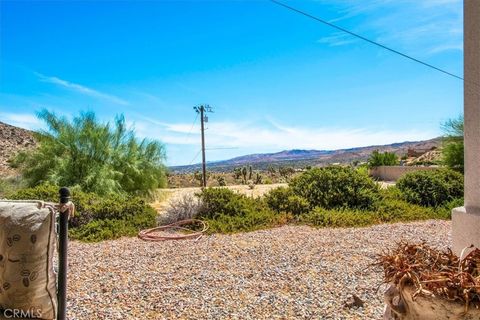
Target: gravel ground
(292, 272)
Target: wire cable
(364, 39)
(221, 148)
(198, 153)
(189, 132)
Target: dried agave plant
(434, 272)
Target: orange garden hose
(152, 235)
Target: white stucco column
(466, 220)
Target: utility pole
(202, 109)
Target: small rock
(354, 301)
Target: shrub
(93, 213)
(249, 221)
(377, 159)
(283, 199)
(431, 188)
(186, 207)
(336, 187)
(96, 156)
(221, 181)
(9, 185)
(321, 217)
(453, 149)
(226, 211)
(223, 201)
(388, 211)
(397, 210)
(108, 229)
(445, 211)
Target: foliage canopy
(98, 157)
(431, 188)
(336, 187)
(453, 144)
(377, 159)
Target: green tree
(377, 159)
(452, 151)
(98, 157)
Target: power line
(198, 153)
(364, 39)
(221, 148)
(193, 124)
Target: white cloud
(81, 89)
(419, 27)
(338, 39)
(22, 120)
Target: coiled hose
(152, 234)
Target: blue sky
(275, 79)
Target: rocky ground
(12, 140)
(292, 272)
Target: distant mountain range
(299, 158)
(14, 139)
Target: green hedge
(431, 188)
(336, 188)
(283, 200)
(98, 218)
(388, 211)
(227, 211)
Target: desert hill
(301, 158)
(12, 140)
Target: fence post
(62, 256)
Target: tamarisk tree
(98, 157)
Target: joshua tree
(244, 174)
(221, 181)
(258, 178)
(237, 173)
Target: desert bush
(445, 211)
(44, 192)
(336, 187)
(9, 185)
(286, 172)
(227, 211)
(221, 181)
(223, 201)
(388, 211)
(377, 159)
(186, 207)
(362, 169)
(453, 149)
(108, 229)
(283, 200)
(250, 220)
(96, 156)
(94, 212)
(431, 188)
(398, 210)
(344, 217)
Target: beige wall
(393, 173)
